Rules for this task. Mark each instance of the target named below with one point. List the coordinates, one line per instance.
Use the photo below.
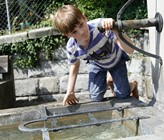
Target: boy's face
(81, 32)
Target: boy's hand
(107, 23)
(70, 99)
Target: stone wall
(49, 81)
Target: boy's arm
(107, 24)
(70, 96)
(123, 45)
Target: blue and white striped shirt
(102, 50)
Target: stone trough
(50, 120)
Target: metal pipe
(89, 111)
(23, 127)
(8, 17)
(45, 117)
(157, 22)
(135, 118)
(138, 24)
(140, 50)
(141, 23)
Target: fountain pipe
(120, 25)
(157, 22)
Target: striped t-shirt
(102, 50)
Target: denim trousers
(97, 81)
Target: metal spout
(141, 23)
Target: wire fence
(19, 15)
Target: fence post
(8, 16)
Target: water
(102, 132)
(94, 132)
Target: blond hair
(66, 18)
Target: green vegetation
(26, 54)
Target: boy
(104, 52)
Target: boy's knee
(97, 97)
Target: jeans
(97, 81)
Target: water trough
(51, 121)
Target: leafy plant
(26, 54)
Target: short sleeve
(71, 50)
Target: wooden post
(7, 85)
